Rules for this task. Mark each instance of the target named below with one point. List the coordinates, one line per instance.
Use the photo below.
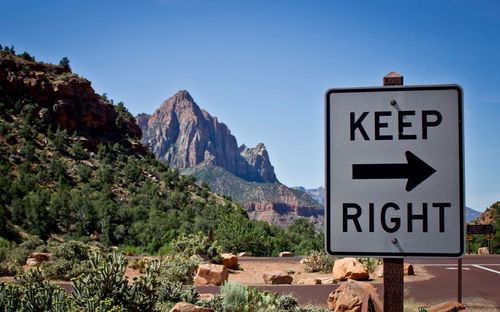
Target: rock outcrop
(63, 100)
(183, 135)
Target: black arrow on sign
(415, 170)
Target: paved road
(481, 279)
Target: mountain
(471, 214)
(184, 136)
(318, 194)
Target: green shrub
(318, 261)
(9, 269)
(4, 248)
(370, 264)
(18, 254)
(286, 303)
(239, 298)
(216, 303)
(69, 260)
(235, 297)
(178, 268)
(198, 245)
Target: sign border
(454, 87)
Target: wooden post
(460, 280)
(393, 267)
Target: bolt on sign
(394, 171)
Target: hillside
(271, 202)
(72, 167)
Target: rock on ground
(37, 257)
(187, 307)
(210, 274)
(310, 281)
(354, 296)
(349, 268)
(230, 261)
(286, 254)
(483, 251)
(278, 277)
(450, 306)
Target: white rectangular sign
(394, 171)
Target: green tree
(64, 63)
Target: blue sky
(262, 67)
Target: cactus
(104, 282)
(10, 297)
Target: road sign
(394, 171)
(480, 229)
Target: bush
(370, 264)
(4, 248)
(198, 245)
(178, 268)
(17, 255)
(238, 298)
(318, 261)
(69, 260)
(9, 269)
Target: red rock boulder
(278, 277)
(230, 261)
(210, 274)
(354, 296)
(349, 268)
(38, 257)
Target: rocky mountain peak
(183, 135)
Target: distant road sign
(394, 171)
(480, 229)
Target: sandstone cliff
(63, 99)
(182, 135)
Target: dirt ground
(251, 272)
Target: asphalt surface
(480, 279)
